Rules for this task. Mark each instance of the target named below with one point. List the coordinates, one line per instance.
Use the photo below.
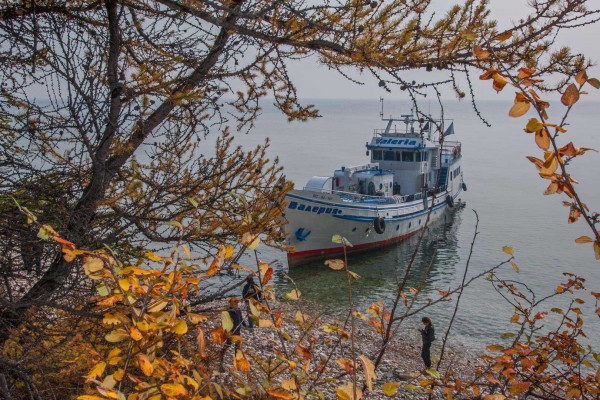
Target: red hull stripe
(300, 256)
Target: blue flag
(450, 130)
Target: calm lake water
(503, 187)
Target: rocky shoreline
(401, 363)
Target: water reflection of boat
(382, 202)
(381, 271)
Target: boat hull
(315, 217)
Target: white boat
(382, 202)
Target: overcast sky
(316, 81)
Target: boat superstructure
(413, 170)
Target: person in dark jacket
(250, 291)
(428, 335)
(238, 321)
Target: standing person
(428, 335)
(238, 320)
(250, 291)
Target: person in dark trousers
(250, 291)
(238, 321)
(428, 335)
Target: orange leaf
(570, 96)
(525, 73)
(581, 77)
(584, 239)
(499, 82)
(517, 388)
(479, 53)
(201, 341)
(268, 276)
(145, 364)
(503, 36)
(518, 109)
(64, 242)
(542, 139)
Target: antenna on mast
(381, 101)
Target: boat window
(380, 186)
(425, 156)
(418, 156)
(377, 155)
(388, 156)
(398, 156)
(407, 156)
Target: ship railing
(365, 198)
(450, 152)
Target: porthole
(409, 224)
(419, 222)
(397, 227)
(354, 229)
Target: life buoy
(464, 186)
(450, 201)
(379, 224)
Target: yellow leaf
(46, 232)
(345, 392)
(515, 267)
(193, 202)
(145, 364)
(228, 251)
(584, 239)
(369, 370)
(158, 306)
(176, 224)
(186, 250)
(90, 397)
(335, 264)
(180, 327)
(597, 250)
(196, 318)
(570, 96)
(254, 244)
(226, 321)
(173, 389)
(97, 371)
(119, 374)
(433, 373)
(495, 347)
(293, 295)
(494, 397)
(153, 257)
(533, 125)
(192, 382)
(136, 334)
(92, 264)
(508, 250)
(117, 336)
(265, 323)
(390, 388)
(341, 240)
(354, 275)
(288, 384)
(125, 284)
